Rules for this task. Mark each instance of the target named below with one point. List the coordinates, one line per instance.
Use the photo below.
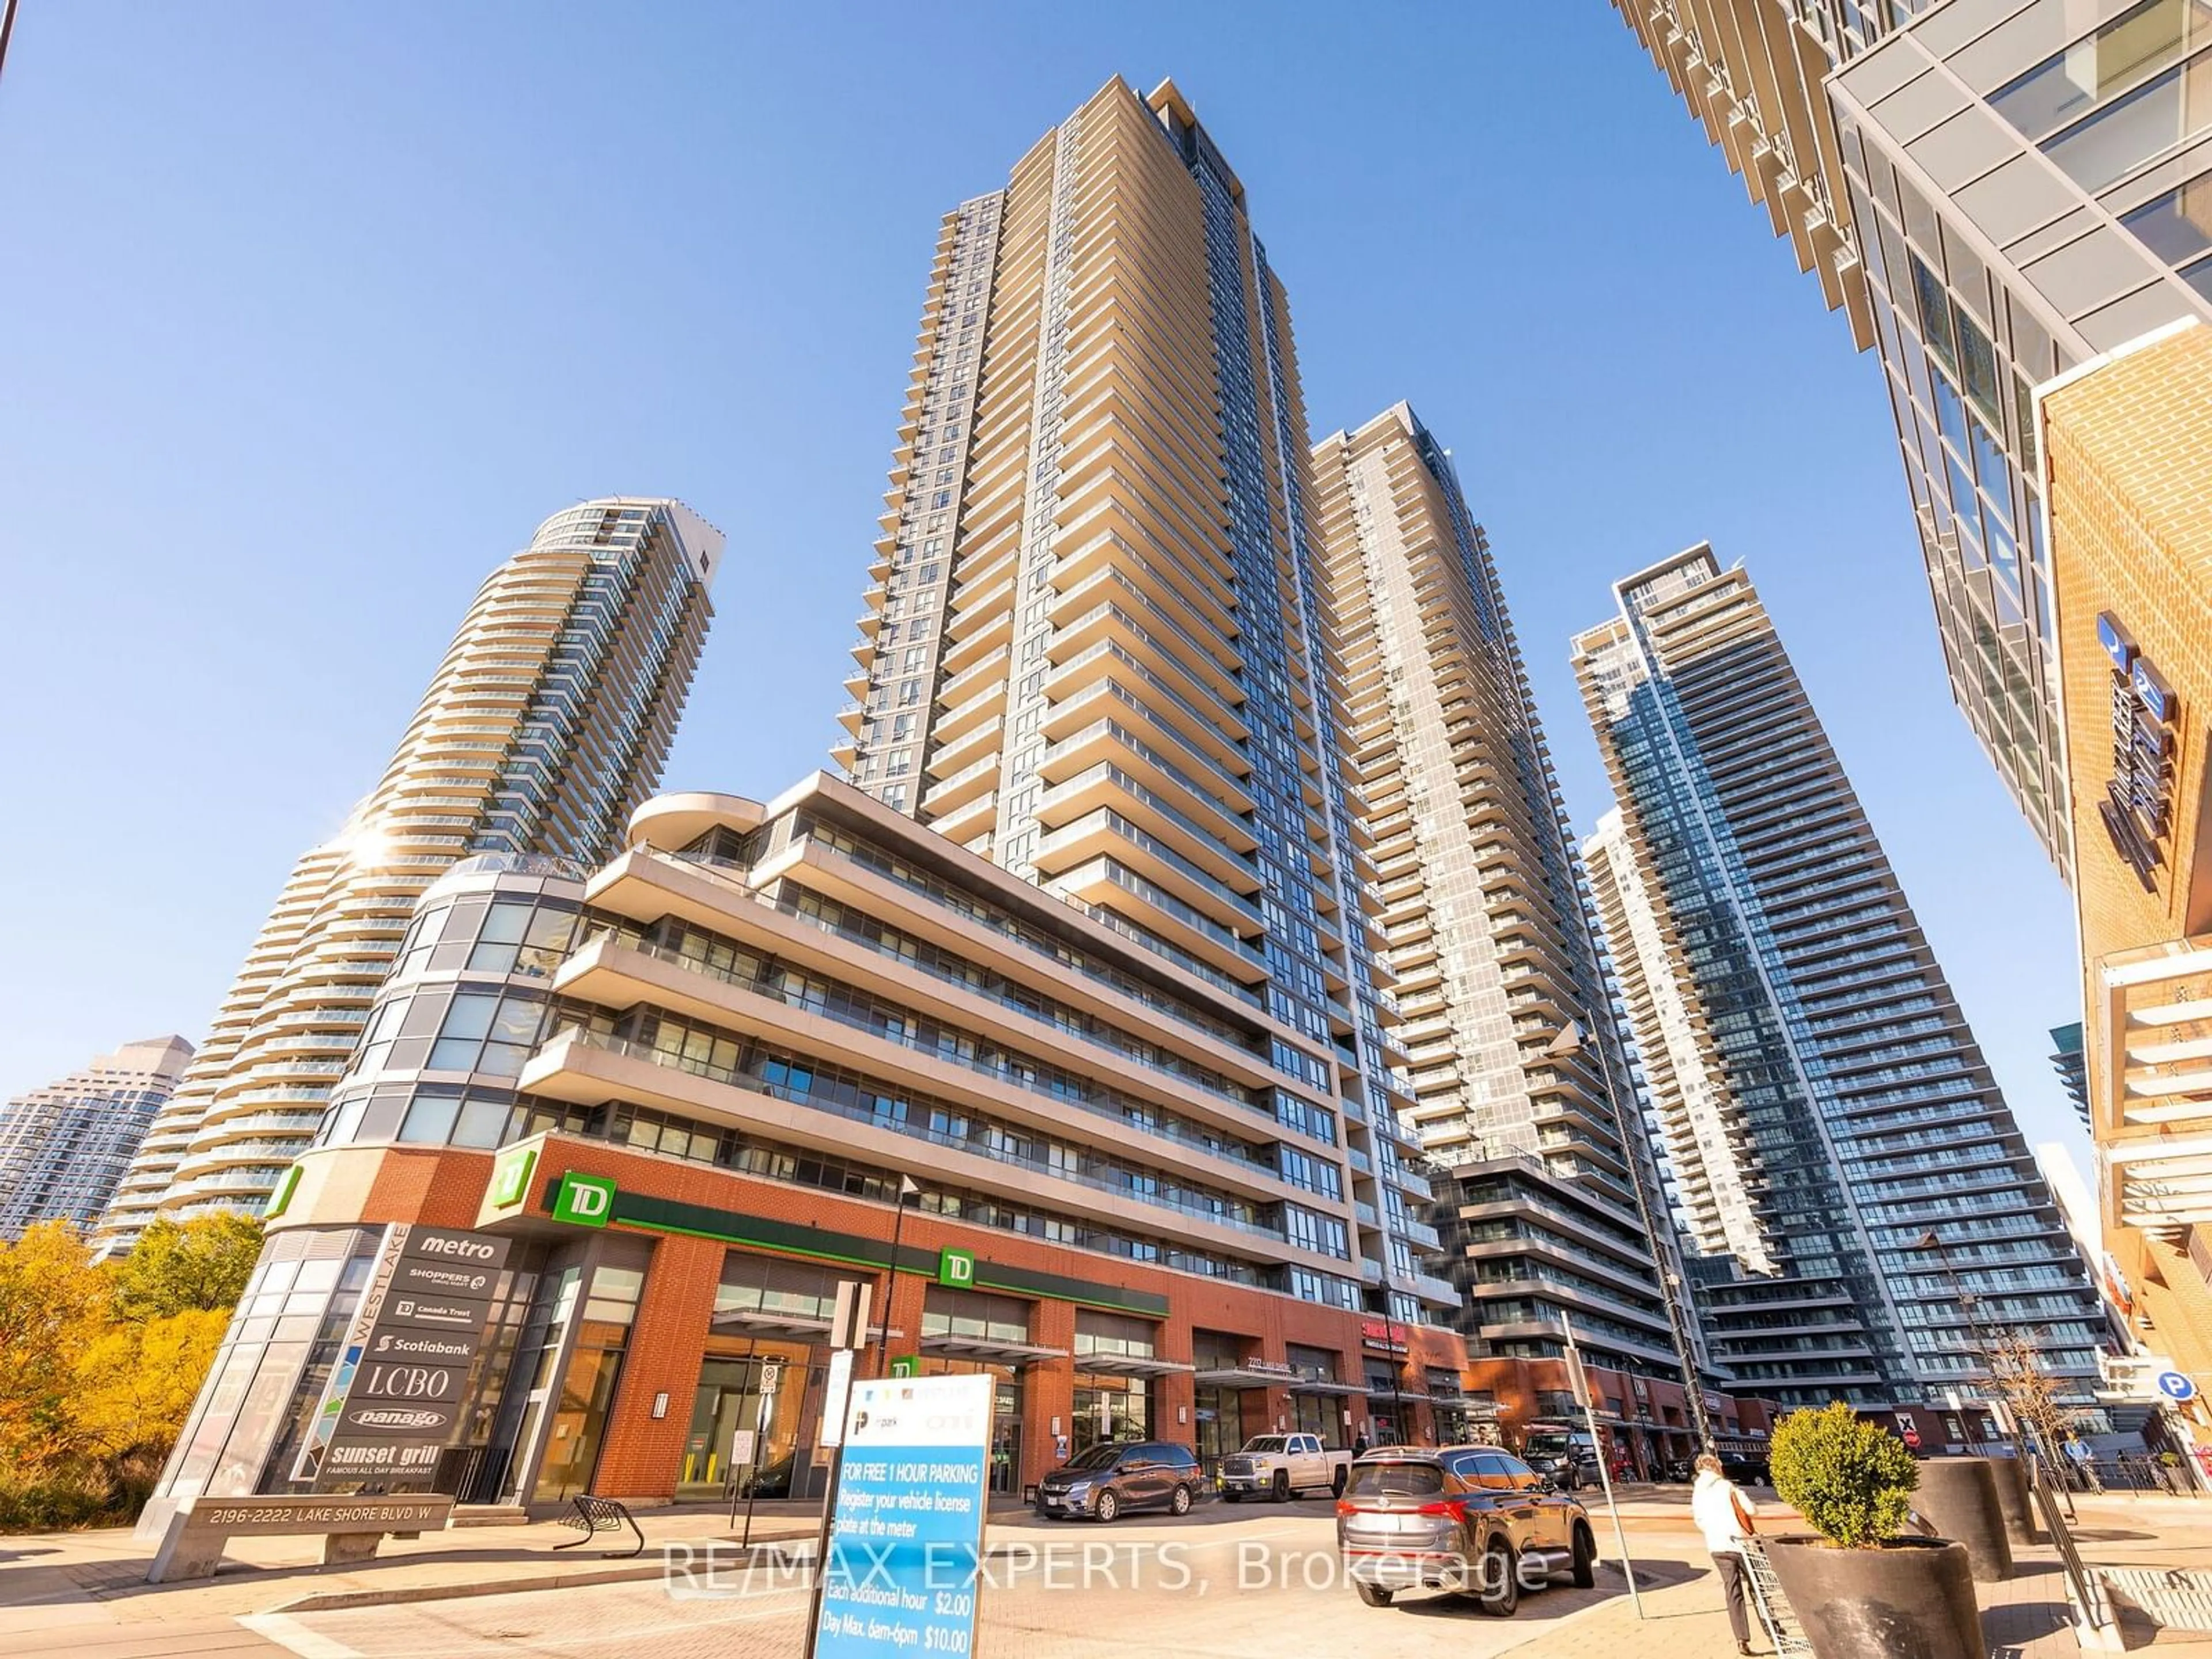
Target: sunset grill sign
(2138, 804)
(396, 1393)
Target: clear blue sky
(308, 314)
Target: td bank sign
(586, 1200)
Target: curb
(640, 1571)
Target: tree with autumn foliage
(100, 1362)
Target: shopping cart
(1773, 1607)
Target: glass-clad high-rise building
(2008, 188)
(544, 728)
(1094, 650)
(1827, 1111)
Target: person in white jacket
(1723, 1516)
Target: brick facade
(640, 1454)
(2130, 496)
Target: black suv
(1106, 1479)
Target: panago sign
(397, 1392)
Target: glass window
(1934, 308)
(483, 1122)
(1951, 416)
(470, 1018)
(430, 1118)
(2177, 226)
(2070, 83)
(1376, 1479)
(1991, 470)
(2124, 134)
(1977, 365)
(506, 922)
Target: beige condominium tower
(1541, 1201)
(545, 727)
(1094, 649)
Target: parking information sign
(907, 1537)
(2174, 1386)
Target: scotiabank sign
(2138, 805)
(396, 1392)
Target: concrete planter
(1912, 1598)
(1959, 1497)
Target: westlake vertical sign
(399, 1385)
(906, 1539)
(2138, 804)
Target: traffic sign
(2174, 1386)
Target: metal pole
(1397, 1365)
(752, 1346)
(848, 1330)
(7, 27)
(1568, 1042)
(1580, 1378)
(890, 1291)
(907, 1188)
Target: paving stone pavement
(1221, 1583)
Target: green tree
(1851, 1481)
(202, 1265)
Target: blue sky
(308, 314)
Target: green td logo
(956, 1268)
(588, 1201)
(287, 1184)
(906, 1365)
(510, 1176)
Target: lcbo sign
(394, 1396)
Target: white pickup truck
(1283, 1465)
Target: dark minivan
(1106, 1479)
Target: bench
(596, 1515)
(193, 1536)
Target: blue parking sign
(905, 1536)
(2174, 1386)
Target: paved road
(1219, 1584)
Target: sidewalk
(82, 1582)
(2025, 1617)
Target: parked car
(1107, 1480)
(1566, 1455)
(1471, 1519)
(1281, 1465)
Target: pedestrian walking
(1723, 1516)
(1360, 1445)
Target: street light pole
(1397, 1364)
(1966, 1299)
(1569, 1042)
(909, 1188)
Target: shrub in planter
(1859, 1589)
(1851, 1481)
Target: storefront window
(578, 1411)
(1112, 1408)
(761, 1389)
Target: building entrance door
(761, 1391)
